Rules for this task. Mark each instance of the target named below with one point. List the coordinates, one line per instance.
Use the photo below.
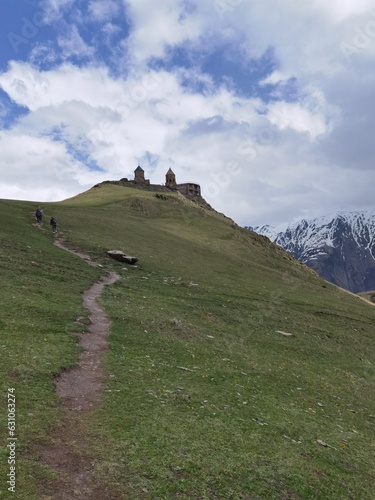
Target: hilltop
(233, 370)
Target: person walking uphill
(53, 224)
(39, 215)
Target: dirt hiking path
(79, 390)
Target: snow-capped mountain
(341, 247)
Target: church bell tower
(170, 179)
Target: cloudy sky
(267, 104)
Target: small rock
(323, 443)
(286, 334)
(259, 421)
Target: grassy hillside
(205, 398)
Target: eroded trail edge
(79, 387)
(79, 390)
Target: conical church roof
(170, 171)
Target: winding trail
(79, 390)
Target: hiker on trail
(39, 215)
(53, 224)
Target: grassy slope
(205, 399)
(39, 300)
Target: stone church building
(187, 189)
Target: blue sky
(266, 104)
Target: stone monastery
(188, 188)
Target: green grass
(39, 300)
(205, 399)
(208, 440)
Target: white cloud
(157, 25)
(118, 121)
(40, 170)
(43, 53)
(340, 10)
(257, 161)
(103, 11)
(34, 89)
(110, 29)
(72, 44)
(297, 117)
(53, 9)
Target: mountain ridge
(339, 247)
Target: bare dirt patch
(369, 296)
(79, 253)
(79, 390)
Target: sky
(267, 104)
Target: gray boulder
(121, 257)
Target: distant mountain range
(340, 248)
